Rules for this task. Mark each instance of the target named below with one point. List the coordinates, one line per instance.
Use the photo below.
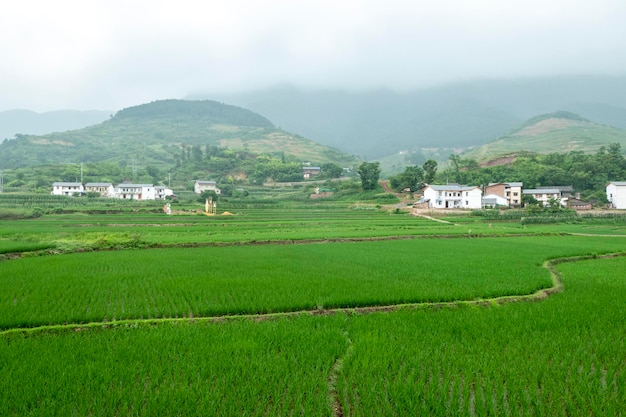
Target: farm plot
(271, 368)
(101, 230)
(214, 281)
(565, 356)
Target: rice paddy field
(310, 311)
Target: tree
(369, 173)
(331, 170)
(207, 194)
(430, 170)
(412, 178)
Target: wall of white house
(616, 195)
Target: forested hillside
(159, 133)
(548, 133)
(379, 123)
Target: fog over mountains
(373, 124)
(377, 123)
(28, 122)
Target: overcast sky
(110, 54)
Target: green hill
(156, 133)
(554, 132)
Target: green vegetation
(369, 172)
(559, 132)
(273, 368)
(560, 357)
(150, 141)
(132, 312)
(587, 173)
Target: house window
(515, 194)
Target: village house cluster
(126, 191)
(511, 194)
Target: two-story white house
(453, 196)
(128, 191)
(161, 193)
(616, 194)
(105, 189)
(200, 186)
(67, 188)
(544, 195)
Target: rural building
(67, 188)
(309, 172)
(512, 191)
(544, 195)
(105, 189)
(578, 204)
(616, 194)
(495, 201)
(200, 186)
(161, 193)
(127, 191)
(453, 196)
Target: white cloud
(111, 54)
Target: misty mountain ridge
(557, 132)
(379, 123)
(28, 122)
(154, 133)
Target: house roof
(205, 182)
(452, 187)
(542, 191)
(618, 183)
(98, 184)
(128, 185)
(577, 202)
(510, 184)
(561, 188)
(67, 184)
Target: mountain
(157, 133)
(375, 124)
(28, 122)
(378, 123)
(553, 132)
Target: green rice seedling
(231, 280)
(274, 367)
(563, 356)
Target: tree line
(586, 173)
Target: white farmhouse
(67, 188)
(616, 194)
(494, 201)
(453, 196)
(127, 191)
(200, 186)
(161, 193)
(105, 189)
(544, 195)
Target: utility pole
(81, 172)
(1, 183)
